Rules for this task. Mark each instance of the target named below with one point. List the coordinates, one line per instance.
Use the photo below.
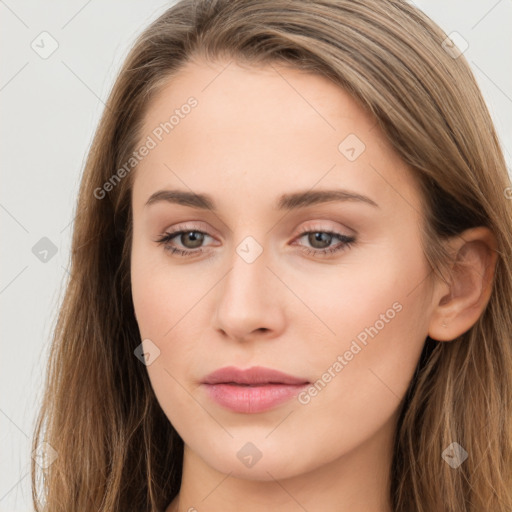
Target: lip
(253, 390)
(251, 376)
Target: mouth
(254, 390)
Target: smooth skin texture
(258, 133)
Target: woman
(291, 273)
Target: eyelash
(345, 242)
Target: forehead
(235, 96)
(256, 132)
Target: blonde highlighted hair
(116, 448)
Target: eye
(321, 240)
(192, 239)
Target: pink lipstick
(253, 390)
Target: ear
(461, 302)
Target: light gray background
(50, 109)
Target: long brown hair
(116, 450)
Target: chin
(261, 460)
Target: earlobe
(462, 301)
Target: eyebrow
(291, 201)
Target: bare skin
(255, 134)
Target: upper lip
(253, 375)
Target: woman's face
(274, 150)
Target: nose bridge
(248, 299)
(249, 274)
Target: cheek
(161, 306)
(364, 297)
(166, 304)
(156, 291)
(363, 373)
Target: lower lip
(252, 399)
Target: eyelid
(319, 225)
(190, 226)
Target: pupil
(195, 237)
(318, 236)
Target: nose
(250, 298)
